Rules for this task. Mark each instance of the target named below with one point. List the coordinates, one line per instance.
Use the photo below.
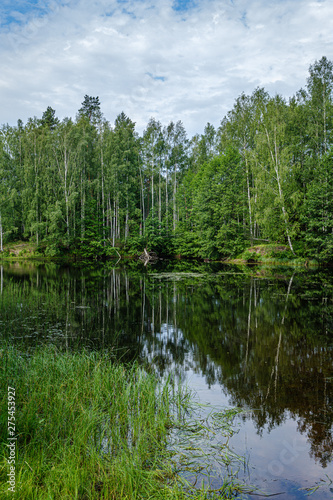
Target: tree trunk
(36, 180)
(126, 221)
(103, 203)
(324, 110)
(82, 208)
(159, 197)
(166, 202)
(114, 223)
(283, 210)
(66, 191)
(174, 199)
(275, 161)
(1, 235)
(143, 205)
(152, 189)
(249, 198)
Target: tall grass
(88, 428)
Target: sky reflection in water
(258, 339)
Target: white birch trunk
(174, 199)
(36, 180)
(1, 235)
(159, 197)
(103, 203)
(114, 223)
(275, 161)
(143, 204)
(126, 221)
(82, 208)
(249, 198)
(152, 188)
(166, 201)
(66, 191)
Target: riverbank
(83, 426)
(270, 254)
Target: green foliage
(215, 217)
(91, 108)
(135, 244)
(187, 243)
(92, 428)
(265, 174)
(49, 118)
(250, 256)
(230, 240)
(157, 237)
(318, 211)
(273, 254)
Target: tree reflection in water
(266, 339)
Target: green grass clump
(87, 428)
(274, 254)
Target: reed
(90, 428)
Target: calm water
(258, 339)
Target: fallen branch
(148, 256)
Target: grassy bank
(272, 254)
(24, 250)
(19, 250)
(90, 428)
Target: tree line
(86, 186)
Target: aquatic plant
(88, 427)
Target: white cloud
(203, 58)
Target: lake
(257, 338)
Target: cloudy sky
(171, 59)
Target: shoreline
(272, 255)
(89, 426)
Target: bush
(250, 256)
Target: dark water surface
(260, 339)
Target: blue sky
(171, 59)
(183, 5)
(18, 12)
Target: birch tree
(152, 146)
(275, 172)
(238, 129)
(320, 107)
(176, 148)
(8, 193)
(123, 176)
(66, 154)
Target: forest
(85, 187)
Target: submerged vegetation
(91, 428)
(89, 189)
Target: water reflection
(265, 341)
